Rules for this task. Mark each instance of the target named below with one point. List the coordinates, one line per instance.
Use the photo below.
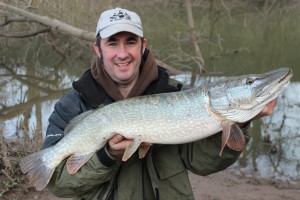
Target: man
(124, 68)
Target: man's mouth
(122, 64)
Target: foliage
(9, 185)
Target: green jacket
(162, 174)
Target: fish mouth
(273, 83)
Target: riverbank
(223, 185)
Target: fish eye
(249, 81)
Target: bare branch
(53, 23)
(13, 19)
(46, 30)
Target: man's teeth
(122, 64)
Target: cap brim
(117, 28)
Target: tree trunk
(198, 54)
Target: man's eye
(131, 43)
(112, 44)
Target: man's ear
(144, 45)
(96, 49)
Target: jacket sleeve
(202, 157)
(98, 170)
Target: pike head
(239, 99)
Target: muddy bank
(224, 185)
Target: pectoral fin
(75, 162)
(132, 147)
(236, 140)
(233, 137)
(225, 135)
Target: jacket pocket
(166, 159)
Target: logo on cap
(119, 16)
(118, 20)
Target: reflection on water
(276, 152)
(283, 132)
(24, 97)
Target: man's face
(121, 54)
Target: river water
(35, 73)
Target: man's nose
(122, 52)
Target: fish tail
(37, 172)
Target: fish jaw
(241, 98)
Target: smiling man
(122, 68)
(121, 56)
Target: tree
(63, 28)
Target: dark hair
(98, 40)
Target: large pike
(169, 118)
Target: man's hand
(267, 110)
(116, 146)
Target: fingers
(271, 106)
(118, 142)
(268, 109)
(116, 146)
(116, 139)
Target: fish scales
(170, 118)
(161, 118)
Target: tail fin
(38, 174)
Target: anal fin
(76, 161)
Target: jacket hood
(148, 73)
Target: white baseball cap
(118, 20)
